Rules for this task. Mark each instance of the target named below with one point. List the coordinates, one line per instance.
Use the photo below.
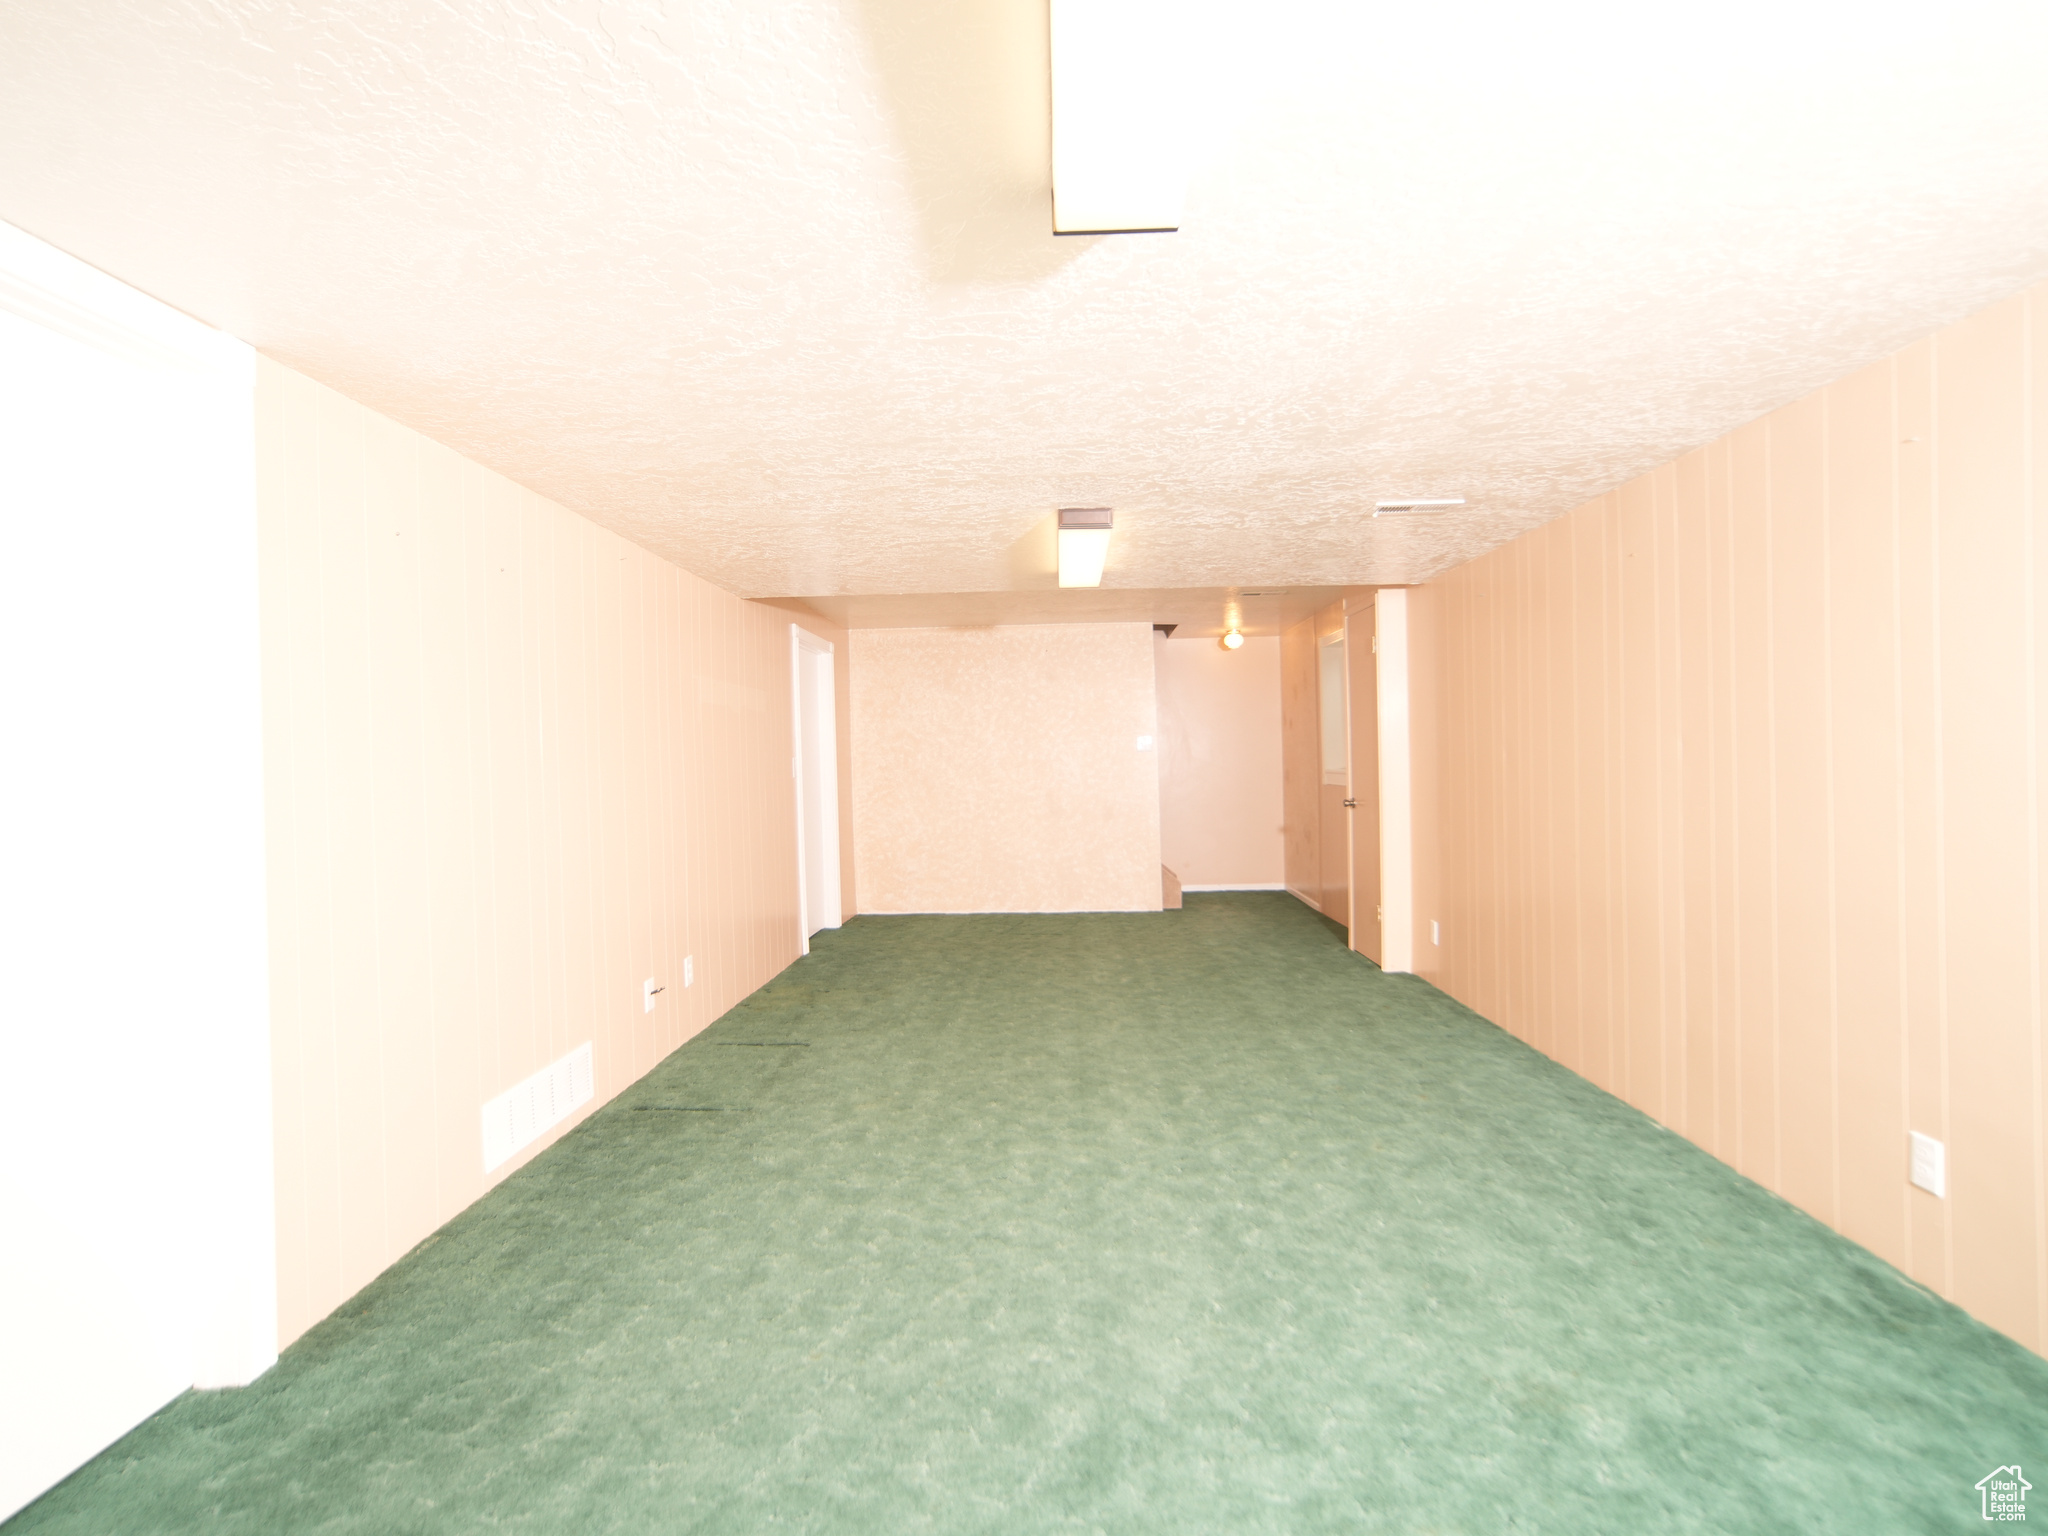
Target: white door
(817, 783)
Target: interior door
(1335, 790)
(1360, 630)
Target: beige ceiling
(771, 288)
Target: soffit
(770, 289)
(1195, 612)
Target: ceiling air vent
(1413, 506)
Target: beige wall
(1220, 808)
(1740, 782)
(997, 770)
(514, 765)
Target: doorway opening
(1333, 791)
(816, 771)
(1362, 700)
(1344, 745)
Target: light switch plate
(647, 991)
(689, 970)
(1930, 1165)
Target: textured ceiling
(770, 288)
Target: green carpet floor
(1180, 1222)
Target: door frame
(1327, 779)
(808, 650)
(1366, 935)
(1397, 826)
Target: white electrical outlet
(688, 971)
(647, 991)
(1930, 1165)
(1434, 936)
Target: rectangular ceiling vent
(1410, 507)
(525, 1112)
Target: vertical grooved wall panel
(1739, 777)
(515, 765)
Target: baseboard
(993, 911)
(1187, 887)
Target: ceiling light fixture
(1119, 155)
(1232, 640)
(1084, 545)
(1396, 508)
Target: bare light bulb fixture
(1232, 640)
(1084, 545)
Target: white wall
(1220, 809)
(135, 1172)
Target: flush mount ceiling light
(1119, 147)
(1402, 508)
(1084, 544)
(1232, 640)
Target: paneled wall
(1219, 761)
(1000, 770)
(515, 765)
(1739, 775)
